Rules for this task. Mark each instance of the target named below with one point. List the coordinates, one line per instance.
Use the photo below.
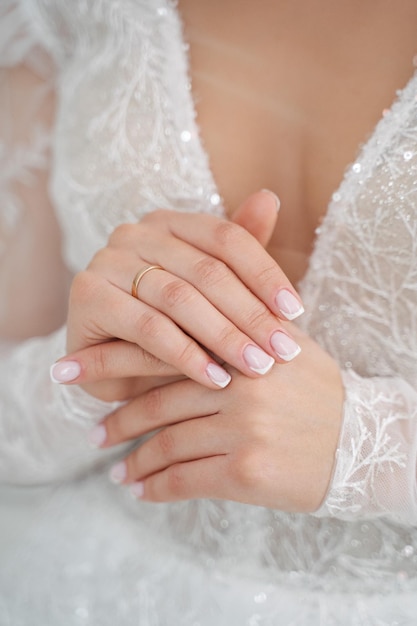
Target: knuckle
(176, 480)
(176, 292)
(267, 274)
(248, 470)
(259, 432)
(83, 287)
(152, 403)
(228, 337)
(134, 464)
(257, 316)
(148, 325)
(152, 490)
(210, 271)
(166, 442)
(116, 427)
(153, 364)
(99, 361)
(121, 234)
(227, 234)
(188, 353)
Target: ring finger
(238, 327)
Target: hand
(215, 272)
(269, 441)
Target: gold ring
(140, 275)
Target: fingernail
(257, 360)
(137, 490)
(284, 346)
(274, 195)
(97, 436)
(218, 375)
(288, 304)
(118, 473)
(64, 371)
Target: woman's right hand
(220, 292)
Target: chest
(284, 101)
(122, 153)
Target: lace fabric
(47, 443)
(126, 142)
(362, 283)
(376, 454)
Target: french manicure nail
(274, 195)
(64, 371)
(118, 473)
(284, 346)
(289, 306)
(137, 490)
(97, 436)
(257, 360)
(218, 375)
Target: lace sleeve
(375, 467)
(43, 425)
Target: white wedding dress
(77, 550)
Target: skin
(205, 277)
(287, 92)
(267, 441)
(262, 439)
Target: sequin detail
(119, 152)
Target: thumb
(258, 214)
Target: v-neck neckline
(383, 126)
(356, 172)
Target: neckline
(364, 163)
(383, 125)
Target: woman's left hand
(268, 441)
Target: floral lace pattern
(376, 447)
(126, 142)
(362, 283)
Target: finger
(237, 326)
(185, 309)
(109, 360)
(249, 339)
(113, 371)
(239, 250)
(139, 324)
(186, 441)
(161, 406)
(205, 478)
(258, 215)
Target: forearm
(34, 281)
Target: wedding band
(140, 275)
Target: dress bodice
(126, 142)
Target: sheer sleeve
(376, 460)
(43, 425)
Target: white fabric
(79, 551)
